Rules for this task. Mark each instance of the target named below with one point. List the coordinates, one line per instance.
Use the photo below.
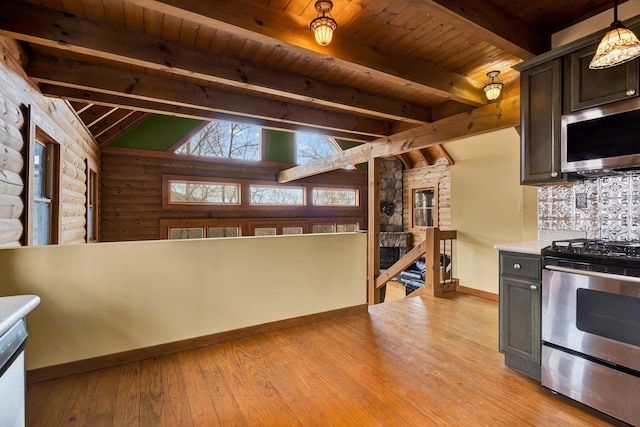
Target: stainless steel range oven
(591, 324)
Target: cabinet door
(590, 88)
(520, 319)
(541, 109)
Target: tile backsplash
(605, 207)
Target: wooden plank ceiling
(393, 64)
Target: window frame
(435, 207)
(167, 204)
(93, 188)
(247, 226)
(204, 124)
(303, 202)
(37, 135)
(355, 190)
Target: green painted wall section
(350, 144)
(279, 146)
(157, 133)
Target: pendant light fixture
(324, 25)
(618, 46)
(493, 88)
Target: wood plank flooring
(414, 362)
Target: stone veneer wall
(391, 191)
(605, 207)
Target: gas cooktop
(590, 252)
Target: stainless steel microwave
(601, 138)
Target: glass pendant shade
(493, 88)
(323, 28)
(323, 25)
(618, 46)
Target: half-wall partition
(109, 298)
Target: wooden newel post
(373, 226)
(432, 245)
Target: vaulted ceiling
(392, 65)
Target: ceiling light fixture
(324, 25)
(493, 88)
(618, 46)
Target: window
(292, 230)
(224, 140)
(335, 197)
(323, 228)
(311, 147)
(346, 228)
(335, 228)
(92, 202)
(264, 231)
(45, 183)
(424, 206)
(265, 195)
(186, 233)
(223, 232)
(202, 232)
(203, 192)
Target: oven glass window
(609, 315)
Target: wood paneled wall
(55, 118)
(131, 192)
(438, 174)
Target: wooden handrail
(430, 247)
(401, 264)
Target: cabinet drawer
(519, 265)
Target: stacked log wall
(424, 176)
(55, 118)
(131, 203)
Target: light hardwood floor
(414, 362)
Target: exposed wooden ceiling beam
(444, 153)
(406, 161)
(257, 21)
(180, 111)
(121, 127)
(499, 115)
(104, 114)
(424, 154)
(64, 31)
(491, 23)
(84, 108)
(124, 83)
(108, 122)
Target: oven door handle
(593, 273)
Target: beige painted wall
(600, 22)
(488, 205)
(111, 297)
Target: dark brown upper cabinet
(541, 102)
(586, 88)
(560, 82)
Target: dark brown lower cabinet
(520, 310)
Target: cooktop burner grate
(589, 252)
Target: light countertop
(14, 308)
(532, 247)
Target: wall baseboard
(100, 362)
(477, 292)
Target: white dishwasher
(12, 376)
(13, 336)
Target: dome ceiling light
(324, 25)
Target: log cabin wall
(131, 193)
(54, 118)
(438, 175)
